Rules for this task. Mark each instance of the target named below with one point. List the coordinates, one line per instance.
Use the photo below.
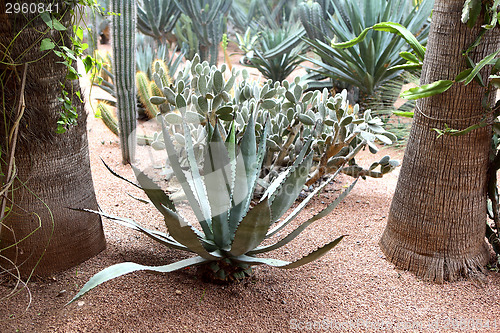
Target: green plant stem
(12, 146)
(291, 138)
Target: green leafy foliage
(427, 90)
(68, 56)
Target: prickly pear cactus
(294, 115)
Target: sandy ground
(351, 289)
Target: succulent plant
(243, 13)
(366, 66)
(157, 18)
(294, 116)
(123, 27)
(148, 56)
(144, 92)
(111, 122)
(275, 52)
(220, 194)
(207, 19)
(148, 52)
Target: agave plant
(366, 66)
(277, 53)
(220, 194)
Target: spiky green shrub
(294, 115)
(220, 194)
(276, 53)
(367, 66)
(272, 39)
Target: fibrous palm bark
(436, 224)
(53, 170)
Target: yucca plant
(272, 41)
(366, 66)
(220, 194)
(255, 14)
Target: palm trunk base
(435, 269)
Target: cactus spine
(123, 35)
(144, 90)
(108, 118)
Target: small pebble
(178, 292)
(81, 303)
(61, 293)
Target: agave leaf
(231, 149)
(248, 165)
(146, 201)
(129, 223)
(288, 190)
(304, 225)
(289, 265)
(129, 267)
(119, 176)
(184, 233)
(252, 229)
(202, 215)
(198, 184)
(217, 177)
(301, 206)
(157, 196)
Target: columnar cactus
(312, 17)
(157, 18)
(123, 32)
(208, 24)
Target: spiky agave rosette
(231, 228)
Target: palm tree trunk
(53, 170)
(436, 223)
